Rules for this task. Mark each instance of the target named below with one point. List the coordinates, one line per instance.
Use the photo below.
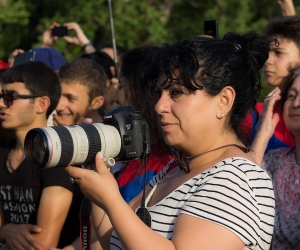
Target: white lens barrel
(54, 144)
(110, 140)
(77, 145)
(80, 144)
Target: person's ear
(42, 104)
(97, 102)
(227, 96)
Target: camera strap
(142, 211)
(85, 224)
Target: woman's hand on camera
(99, 186)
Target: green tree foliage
(22, 22)
(14, 18)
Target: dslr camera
(123, 136)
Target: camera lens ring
(30, 143)
(94, 140)
(66, 145)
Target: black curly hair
(287, 27)
(212, 64)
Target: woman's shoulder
(242, 168)
(239, 160)
(242, 176)
(240, 164)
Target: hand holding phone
(60, 31)
(27, 56)
(211, 28)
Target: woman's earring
(220, 116)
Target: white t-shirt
(234, 193)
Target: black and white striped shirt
(235, 193)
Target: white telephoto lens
(80, 143)
(110, 140)
(54, 144)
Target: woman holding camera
(217, 197)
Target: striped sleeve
(238, 197)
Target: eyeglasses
(8, 98)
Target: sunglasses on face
(8, 98)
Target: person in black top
(38, 207)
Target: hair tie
(236, 47)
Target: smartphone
(27, 56)
(60, 31)
(211, 28)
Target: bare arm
(268, 122)
(287, 7)
(102, 226)
(132, 232)
(80, 38)
(17, 236)
(53, 209)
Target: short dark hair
(1, 73)
(287, 27)
(212, 64)
(38, 78)
(86, 72)
(103, 60)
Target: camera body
(123, 136)
(133, 130)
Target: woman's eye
(176, 92)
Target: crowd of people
(224, 167)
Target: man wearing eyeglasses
(34, 203)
